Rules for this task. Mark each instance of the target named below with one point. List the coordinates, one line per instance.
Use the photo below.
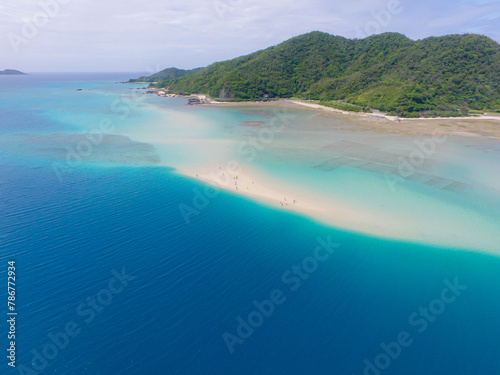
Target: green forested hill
(166, 74)
(433, 76)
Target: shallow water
(118, 208)
(436, 189)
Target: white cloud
(132, 34)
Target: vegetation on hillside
(165, 75)
(447, 75)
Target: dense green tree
(445, 75)
(165, 75)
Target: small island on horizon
(11, 72)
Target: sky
(147, 36)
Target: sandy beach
(388, 117)
(201, 153)
(472, 126)
(251, 184)
(287, 197)
(335, 212)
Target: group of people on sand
(281, 203)
(285, 202)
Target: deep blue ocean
(111, 280)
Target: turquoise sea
(111, 280)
